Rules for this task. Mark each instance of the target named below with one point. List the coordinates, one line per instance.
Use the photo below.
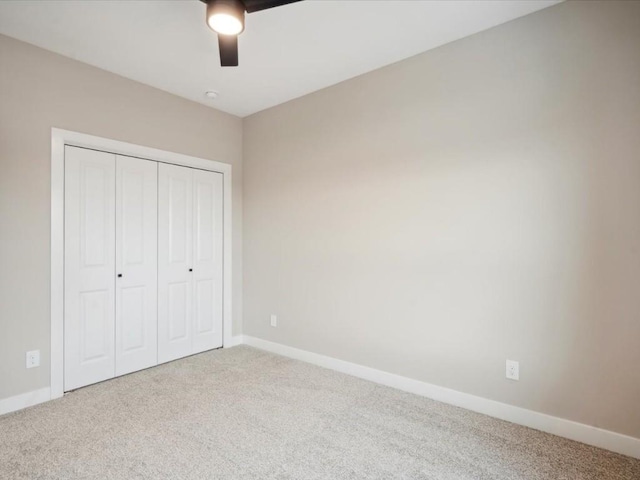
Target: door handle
(191, 269)
(119, 275)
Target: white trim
(235, 341)
(57, 265)
(60, 138)
(24, 400)
(580, 432)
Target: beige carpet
(242, 413)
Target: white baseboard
(580, 432)
(24, 400)
(236, 340)
(29, 399)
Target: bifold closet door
(207, 260)
(136, 294)
(189, 261)
(89, 286)
(111, 237)
(175, 234)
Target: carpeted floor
(241, 413)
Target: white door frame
(60, 138)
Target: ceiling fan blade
(228, 46)
(257, 5)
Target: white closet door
(207, 260)
(136, 331)
(89, 267)
(175, 239)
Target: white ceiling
(285, 52)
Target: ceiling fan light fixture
(225, 17)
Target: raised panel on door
(89, 283)
(175, 224)
(207, 260)
(136, 331)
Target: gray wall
(40, 90)
(475, 203)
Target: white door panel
(175, 224)
(207, 260)
(89, 267)
(136, 264)
(179, 324)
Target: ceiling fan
(226, 18)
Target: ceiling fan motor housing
(226, 18)
(232, 8)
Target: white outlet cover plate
(274, 320)
(33, 359)
(513, 370)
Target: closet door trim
(60, 138)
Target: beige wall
(40, 90)
(475, 203)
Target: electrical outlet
(274, 320)
(33, 359)
(513, 370)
